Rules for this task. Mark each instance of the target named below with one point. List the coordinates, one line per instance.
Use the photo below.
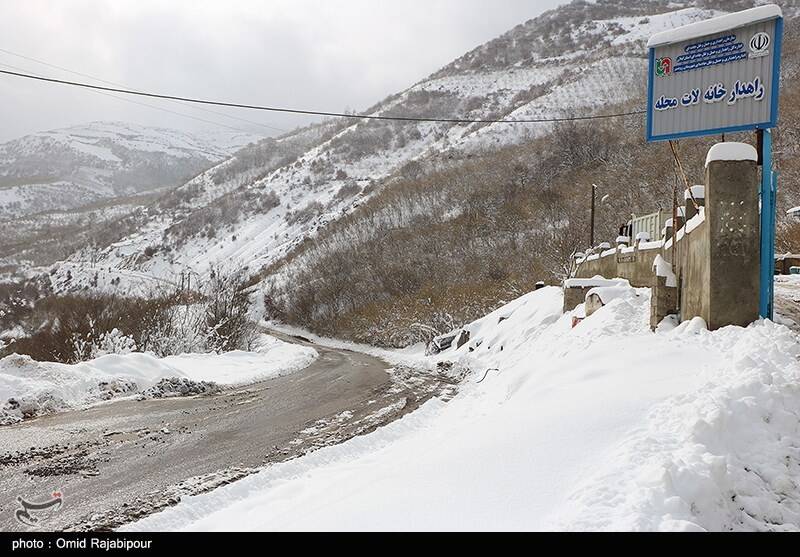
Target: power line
(206, 152)
(63, 69)
(131, 101)
(319, 112)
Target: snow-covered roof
(715, 25)
(732, 151)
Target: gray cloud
(327, 55)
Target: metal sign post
(769, 190)
(722, 76)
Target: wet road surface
(121, 461)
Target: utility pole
(594, 208)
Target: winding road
(123, 460)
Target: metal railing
(653, 224)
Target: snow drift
(603, 427)
(29, 388)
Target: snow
(696, 192)
(606, 426)
(71, 385)
(696, 221)
(608, 294)
(45, 387)
(715, 25)
(644, 246)
(638, 29)
(596, 282)
(732, 151)
(272, 358)
(662, 268)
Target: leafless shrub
(214, 318)
(226, 306)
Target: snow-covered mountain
(255, 208)
(72, 167)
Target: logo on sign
(663, 67)
(759, 45)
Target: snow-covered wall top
(731, 151)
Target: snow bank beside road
(606, 426)
(29, 388)
(272, 358)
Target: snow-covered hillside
(68, 168)
(255, 208)
(606, 426)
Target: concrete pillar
(732, 218)
(663, 301)
(574, 296)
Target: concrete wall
(693, 271)
(633, 264)
(715, 259)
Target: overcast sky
(318, 54)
